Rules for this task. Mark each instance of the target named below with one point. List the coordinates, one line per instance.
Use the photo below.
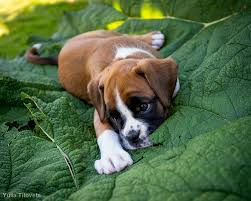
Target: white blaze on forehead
(123, 52)
(130, 122)
(121, 107)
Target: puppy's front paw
(158, 39)
(113, 157)
(115, 162)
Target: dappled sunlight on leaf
(4, 30)
(116, 5)
(148, 11)
(114, 25)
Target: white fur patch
(37, 46)
(177, 88)
(123, 52)
(130, 122)
(113, 157)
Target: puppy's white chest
(123, 52)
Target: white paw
(113, 157)
(158, 39)
(113, 163)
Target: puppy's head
(134, 96)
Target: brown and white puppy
(126, 80)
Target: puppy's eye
(143, 107)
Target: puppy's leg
(113, 157)
(156, 39)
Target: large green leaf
(206, 10)
(91, 18)
(215, 71)
(197, 10)
(176, 31)
(202, 152)
(214, 166)
(51, 154)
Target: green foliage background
(47, 140)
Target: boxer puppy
(127, 81)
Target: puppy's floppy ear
(161, 75)
(96, 95)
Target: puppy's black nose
(133, 135)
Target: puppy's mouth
(137, 144)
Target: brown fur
(33, 57)
(87, 69)
(85, 56)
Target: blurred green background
(20, 19)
